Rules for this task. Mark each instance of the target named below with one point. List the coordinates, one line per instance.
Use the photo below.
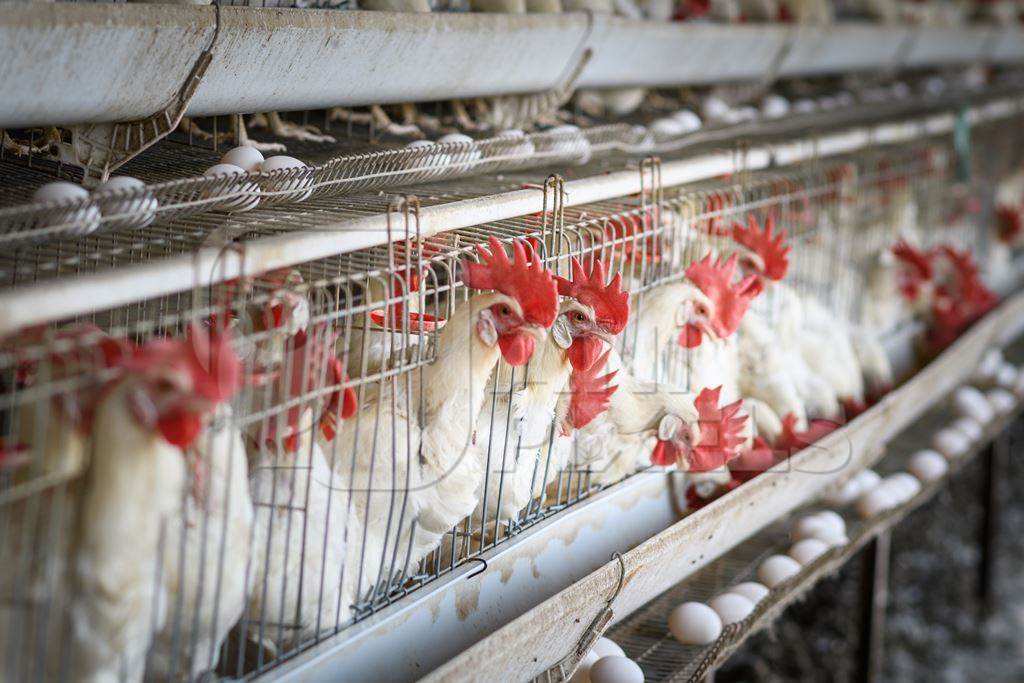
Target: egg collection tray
(645, 636)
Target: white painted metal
(572, 551)
(65, 298)
(662, 54)
(845, 47)
(63, 63)
(941, 46)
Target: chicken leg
(286, 129)
(379, 119)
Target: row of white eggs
(607, 663)
(976, 410)
(890, 492)
(697, 623)
(994, 372)
(852, 488)
(85, 219)
(242, 160)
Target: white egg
(732, 117)
(774, 106)
(294, 188)
(927, 465)
(466, 154)
(667, 129)
(844, 495)
(907, 483)
(751, 590)
(714, 108)
(1007, 377)
(246, 158)
(900, 90)
(988, 366)
(867, 479)
(231, 180)
(616, 670)
(564, 141)
(1001, 400)
(971, 403)
(78, 221)
(950, 442)
(808, 527)
(874, 502)
(687, 119)
(833, 520)
(582, 673)
(808, 550)
(777, 569)
(694, 623)
(433, 161)
(510, 143)
(805, 106)
(606, 647)
(832, 538)
(731, 607)
(135, 212)
(749, 113)
(968, 427)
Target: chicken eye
(580, 317)
(505, 310)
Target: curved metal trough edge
(538, 595)
(64, 63)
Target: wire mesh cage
(217, 479)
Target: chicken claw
(287, 129)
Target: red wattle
(584, 352)
(516, 348)
(664, 453)
(180, 428)
(691, 336)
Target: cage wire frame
(649, 238)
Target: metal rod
(875, 597)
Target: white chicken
(521, 422)
(204, 568)
(44, 459)
(147, 418)
(300, 582)
(414, 476)
(650, 423)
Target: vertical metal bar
(993, 460)
(875, 597)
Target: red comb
(791, 440)
(720, 429)
(1011, 221)
(731, 301)
(624, 231)
(589, 395)
(974, 295)
(528, 282)
(610, 303)
(312, 365)
(216, 369)
(919, 268)
(771, 248)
